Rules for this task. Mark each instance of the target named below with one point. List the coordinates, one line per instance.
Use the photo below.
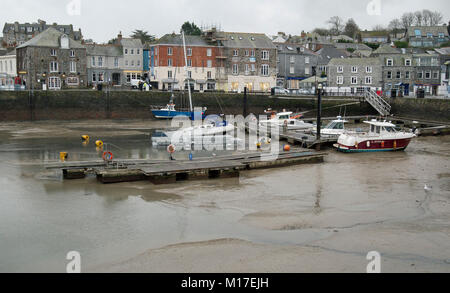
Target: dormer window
(64, 42)
(408, 62)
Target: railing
(377, 102)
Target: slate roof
(103, 50)
(131, 43)
(443, 51)
(246, 40)
(50, 38)
(386, 49)
(174, 39)
(425, 30)
(353, 46)
(293, 48)
(355, 61)
(40, 27)
(329, 52)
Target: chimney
(119, 37)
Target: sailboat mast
(187, 75)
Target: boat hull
(375, 146)
(164, 114)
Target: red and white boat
(382, 137)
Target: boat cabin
(377, 127)
(284, 116)
(336, 124)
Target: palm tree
(143, 36)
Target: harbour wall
(78, 105)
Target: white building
(8, 70)
(133, 58)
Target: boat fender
(368, 144)
(356, 144)
(287, 148)
(63, 156)
(395, 144)
(85, 137)
(107, 156)
(99, 143)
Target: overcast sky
(101, 20)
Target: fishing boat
(286, 119)
(169, 111)
(382, 137)
(334, 129)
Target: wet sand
(311, 218)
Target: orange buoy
(107, 156)
(287, 148)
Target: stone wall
(75, 105)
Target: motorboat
(334, 129)
(381, 137)
(285, 120)
(169, 112)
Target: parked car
(280, 91)
(135, 83)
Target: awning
(132, 71)
(313, 79)
(22, 72)
(199, 81)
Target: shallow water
(380, 195)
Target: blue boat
(169, 112)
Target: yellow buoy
(99, 143)
(85, 137)
(63, 156)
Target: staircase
(377, 102)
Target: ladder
(377, 102)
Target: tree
(191, 29)
(427, 16)
(143, 36)
(395, 26)
(407, 21)
(401, 44)
(436, 18)
(418, 18)
(351, 28)
(321, 31)
(336, 24)
(379, 28)
(112, 41)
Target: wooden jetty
(163, 172)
